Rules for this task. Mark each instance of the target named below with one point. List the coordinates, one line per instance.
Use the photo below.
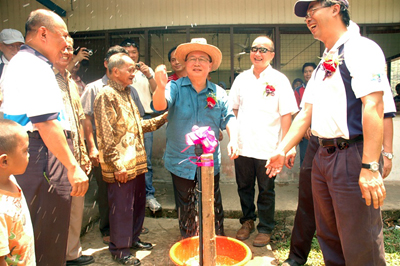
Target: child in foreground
(16, 232)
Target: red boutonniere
(211, 100)
(330, 64)
(269, 90)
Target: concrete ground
(164, 226)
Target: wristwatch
(149, 78)
(373, 167)
(387, 155)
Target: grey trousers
(349, 232)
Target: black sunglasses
(127, 44)
(263, 50)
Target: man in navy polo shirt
(36, 103)
(343, 104)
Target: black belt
(341, 143)
(36, 134)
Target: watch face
(374, 166)
(389, 156)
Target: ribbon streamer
(204, 136)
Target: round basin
(186, 249)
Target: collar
(27, 49)
(116, 85)
(4, 60)
(264, 73)
(67, 74)
(104, 80)
(209, 85)
(344, 38)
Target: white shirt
(337, 111)
(259, 116)
(31, 91)
(143, 87)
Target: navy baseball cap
(301, 6)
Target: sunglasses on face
(263, 50)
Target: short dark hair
(170, 52)
(129, 42)
(296, 80)
(116, 49)
(311, 64)
(8, 136)
(398, 88)
(344, 11)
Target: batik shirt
(120, 132)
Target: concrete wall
(91, 15)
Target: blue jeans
(148, 146)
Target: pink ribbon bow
(204, 136)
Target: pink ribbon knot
(204, 136)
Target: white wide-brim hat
(199, 44)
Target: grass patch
(280, 241)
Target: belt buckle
(320, 142)
(342, 145)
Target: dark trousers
(47, 192)
(303, 149)
(127, 208)
(304, 222)
(102, 201)
(247, 170)
(349, 232)
(185, 202)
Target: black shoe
(290, 262)
(82, 260)
(128, 260)
(142, 245)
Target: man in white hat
(344, 102)
(193, 100)
(10, 42)
(263, 102)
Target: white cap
(9, 36)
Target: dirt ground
(163, 234)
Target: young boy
(16, 232)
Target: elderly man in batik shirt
(123, 158)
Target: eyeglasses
(14, 46)
(311, 12)
(263, 50)
(202, 60)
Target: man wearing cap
(189, 103)
(10, 42)
(304, 224)
(145, 85)
(53, 174)
(344, 102)
(263, 102)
